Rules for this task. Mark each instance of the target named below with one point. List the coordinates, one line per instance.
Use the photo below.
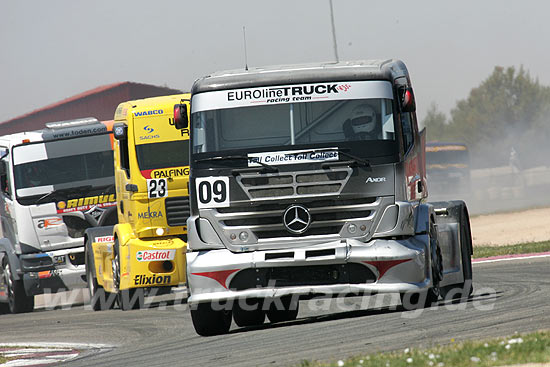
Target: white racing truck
(54, 183)
(309, 180)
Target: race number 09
(212, 192)
(157, 188)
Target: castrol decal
(155, 255)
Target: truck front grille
(294, 184)
(177, 210)
(266, 220)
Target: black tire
(208, 321)
(288, 312)
(249, 314)
(99, 299)
(127, 299)
(416, 300)
(18, 301)
(464, 289)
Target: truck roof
(148, 103)
(302, 73)
(55, 131)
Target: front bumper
(53, 271)
(330, 269)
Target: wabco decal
(149, 113)
(292, 157)
(155, 255)
(85, 203)
(150, 215)
(141, 279)
(291, 94)
(49, 222)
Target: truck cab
(310, 180)
(55, 183)
(146, 249)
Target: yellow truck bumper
(152, 263)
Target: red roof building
(100, 103)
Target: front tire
(100, 300)
(249, 314)
(288, 312)
(128, 299)
(18, 301)
(208, 321)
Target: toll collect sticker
(292, 157)
(156, 255)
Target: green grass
(522, 248)
(516, 349)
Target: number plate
(157, 188)
(212, 192)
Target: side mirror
(120, 131)
(181, 119)
(408, 104)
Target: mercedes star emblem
(296, 219)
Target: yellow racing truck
(145, 252)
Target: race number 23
(157, 188)
(212, 192)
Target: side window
(124, 156)
(5, 174)
(406, 123)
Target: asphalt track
(510, 296)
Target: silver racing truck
(54, 183)
(309, 180)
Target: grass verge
(522, 248)
(517, 349)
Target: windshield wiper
(68, 190)
(264, 167)
(355, 159)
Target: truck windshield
(41, 168)
(311, 114)
(163, 155)
(293, 124)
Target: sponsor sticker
(292, 157)
(294, 93)
(166, 172)
(142, 279)
(105, 239)
(49, 222)
(86, 203)
(155, 255)
(376, 179)
(150, 215)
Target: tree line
(508, 111)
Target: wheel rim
(116, 273)
(9, 283)
(91, 285)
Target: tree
(435, 123)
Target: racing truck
(144, 253)
(309, 181)
(54, 183)
(448, 168)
